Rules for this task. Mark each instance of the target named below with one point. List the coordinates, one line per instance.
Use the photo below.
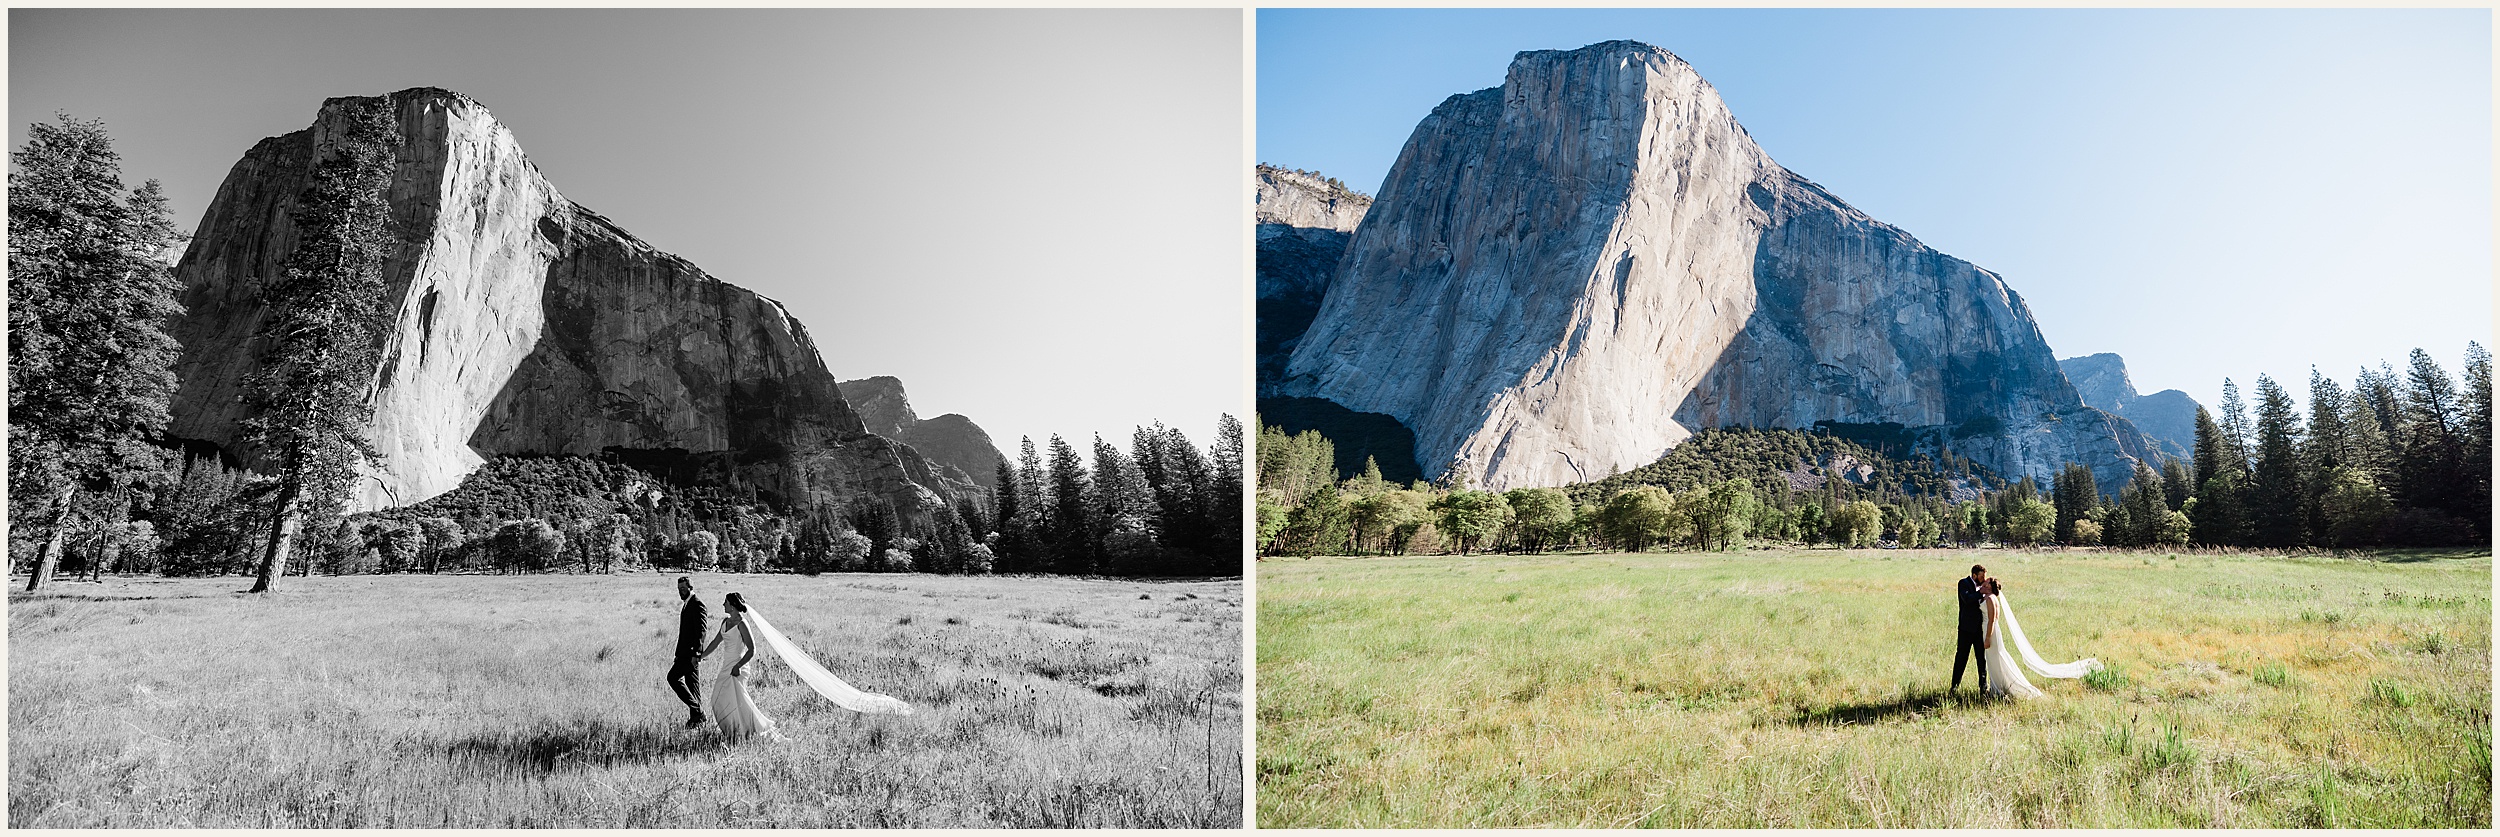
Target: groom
(1972, 627)
(683, 677)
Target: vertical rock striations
(2167, 417)
(951, 442)
(1304, 222)
(526, 324)
(1565, 275)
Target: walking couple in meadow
(738, 716)
(1987, 624)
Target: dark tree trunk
(283, 521)
(48, 559)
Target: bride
(735, 708)
(2008, 680)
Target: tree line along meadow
(96, 487)
(2398, 459)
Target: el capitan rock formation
(527, 324)
(2167, 417)
(1566, 275)
(949, 441)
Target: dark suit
(1973, 628)
(685, 678)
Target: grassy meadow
(531, 701)
(1808, 689)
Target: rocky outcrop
(2167, 417)
(526, 324)
(1304, 222)
(1566, 275)
(950, 441)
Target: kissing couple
(739, 717)
(1987, 624)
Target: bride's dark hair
(735, 602)
(1994, 587)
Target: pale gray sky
(1032, 217)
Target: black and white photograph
(626, 418)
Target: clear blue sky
(2208, 193)
(1033, 217)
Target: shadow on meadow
(1908, 707)
(577, 744)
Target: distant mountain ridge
(2168, 416)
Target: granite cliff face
(2167, 417)
(526, 324)
(951, 442)
(1565, 275)
(1304, 223)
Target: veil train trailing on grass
(816, 677)
(2031, 659)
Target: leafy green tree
(1540, 518)
(2277, 502)
(2028, 522)
(2086, 533)
(1723, 514)
(1271, 520)
(2173, 529)
(1810, 523)
(532, 545)
(1857, 525)
(319, 339)
(1386, 521)
(2354, 508)
(1319, 525)
(1467, 518)
(1641, 516)
(90, 362)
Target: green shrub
(2393, 694)
(2106, 680)
(2171, 751)
(2273, 674)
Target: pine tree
(1224, 507)
(2209, 447)
(2430, 453)
(2277, 501)
(2142, 499)
(2074, 495)
(2476, 437)
(1121, 513)
(90, 363)
(319, 341)
(2326, 447)
(1009, 501)
(1071, 551)
(2177, 485)
(2235, 430)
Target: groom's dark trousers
(685, 677)
(1966, 643)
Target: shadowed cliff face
(526, 324)
(1304, 223)
(1568, 274)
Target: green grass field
(1806, 689)
(483, 701)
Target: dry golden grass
(481, 701)
(1807, 689)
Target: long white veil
(2031, 659)
(818, 678)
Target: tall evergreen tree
(320, 339)
(1008, 499)
(1071, 550)
(2476, 502)
(90, 363)
(2142, 499)
(2326, 446)
(2074, 494)
(2235, 430)
(2430, 452)
(1224, 507)
(2277, 501)
(2177, 485)
(2209, 447)
(1121, 513)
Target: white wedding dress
(2006, 679)
(734, 709)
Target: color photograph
(1661, 411)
